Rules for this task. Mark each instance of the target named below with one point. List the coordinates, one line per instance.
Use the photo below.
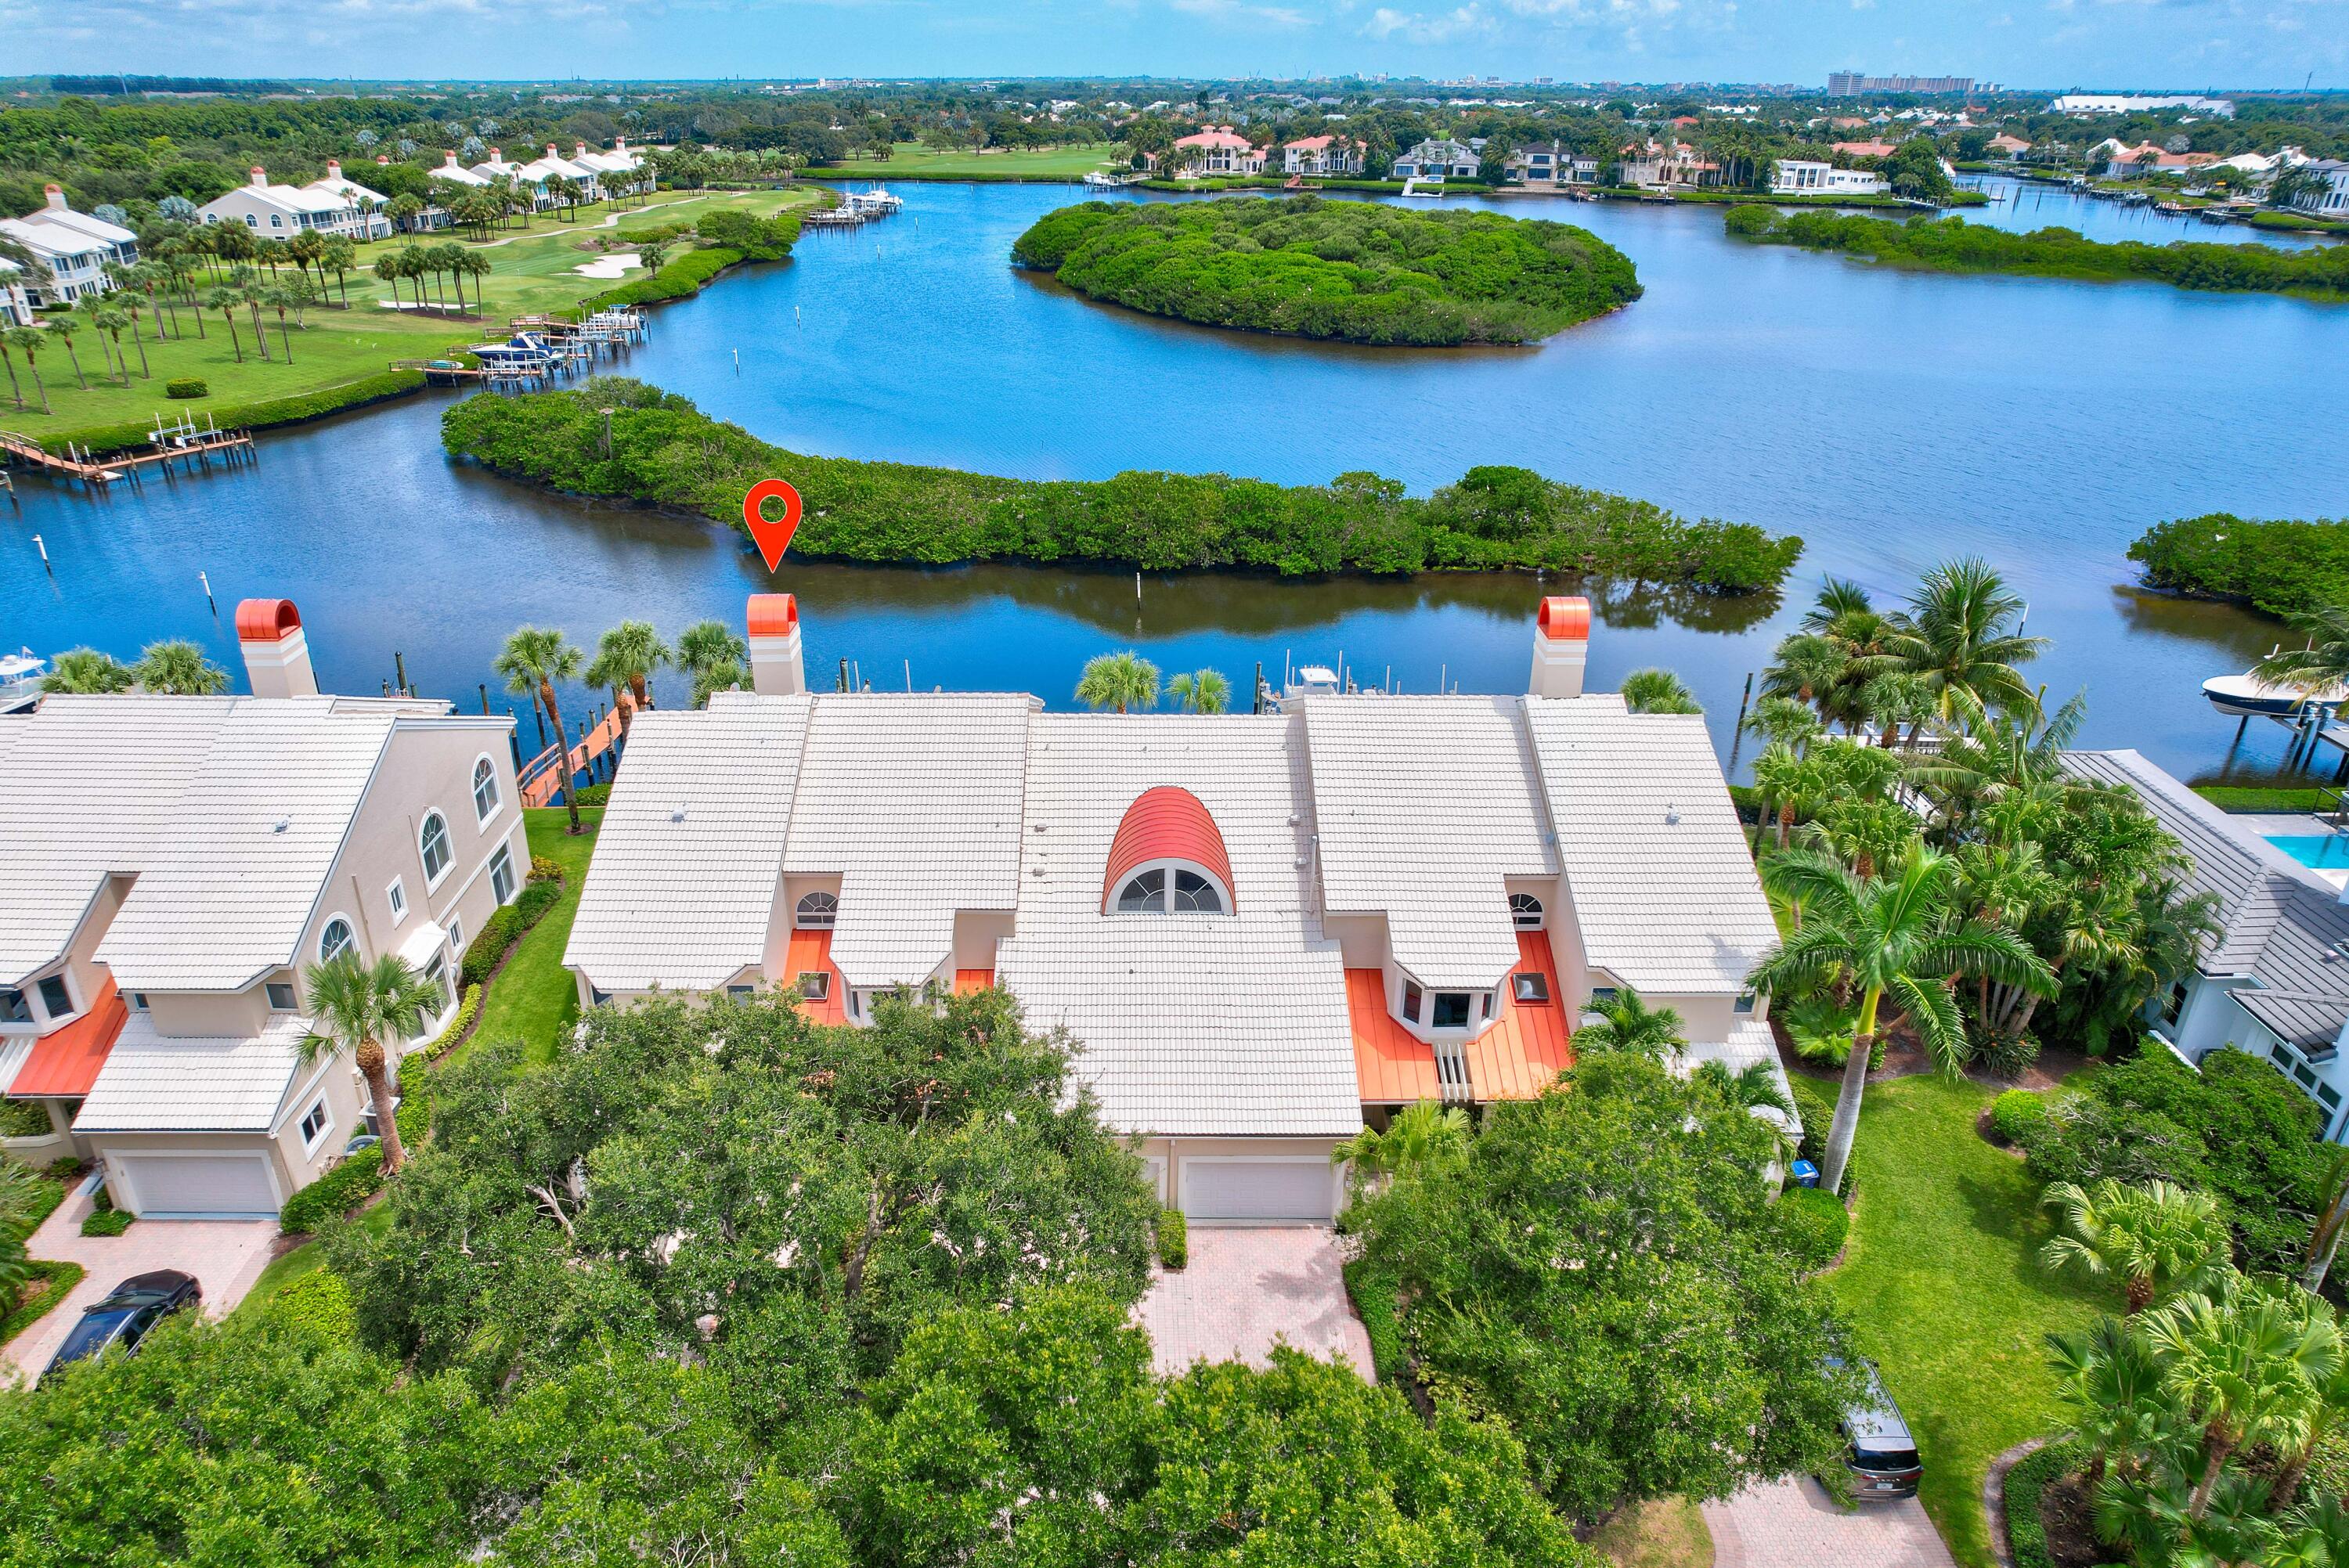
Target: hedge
(2016, 1115)
(338, 1192)
(2027, 1482)
(62, 1278)
(2283, 566)
(1373, 1295)
(1815, 1223)
(503, 929)
(290, 410)
(187, 386)
(1174, 1235)
(319, 1300)
(591, 795)
(467, 1009)
(665, 451)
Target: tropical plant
(1419, 1134)
(1658, 691)
(86, 671)
(1959, 646)
(1820, 1027)
(29, 342)
(177, 667)
(2156, 1239)
(20, 1201)
(2243, 1366)
(1200, 691)
(532, 661)
(1118, 682)
(1895, 936)
(626, 656)
(1783, 721)
(1626, 1023)
(364, 1009)
(224, 300)
(2322, 667)
(2111, 1379)
(61, 331)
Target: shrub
(1373, 1295)
(1815, 1223)
(2007, 1054)
(2027, 1482)
(319, 1301)
(61, 1278)
(467, 1009)
(546, 868)
(587, 795)
(536, 899)
(1174, 1234)
(187, 386)
(268, 411)
(2016, 1115)
(23, 1119)
(488, 945)
(338, 1192)
(2283, 566)
(106, 1221)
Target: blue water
(2328, 849)
(1891, 418)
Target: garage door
(1298, 1188)
(198, 1184)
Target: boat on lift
(2247, 695)
(20, 679)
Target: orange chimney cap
(266, 620)
(1565, 618)
(774, 615)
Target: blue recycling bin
(1805, 1174)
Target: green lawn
(2242, 797)
(300, 1263)
(535, 997)
(1942, 1286)
(1667, 1532)
(911, 161)
(534, 274)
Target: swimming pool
(2324, 850)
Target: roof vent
(679, 814)
(280, 825)
(1672, 813)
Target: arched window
(1525, 912)
(1171, 888)
(335, 941)
(485, 789)
(817, 911)
(434, 842)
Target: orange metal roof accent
(1166, 823)
(66, 1062)
(1565, 618)
(973, 980)
(1518, 1057)
(265, 620)
(773, 614)
(810, 952)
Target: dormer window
(1525, 912)
(1170, 889)
(816, 911)
(1168, 858)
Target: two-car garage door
(1269, 1188)
(226, 1184)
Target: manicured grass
(534, 274)
(1942, 1286)
(534, 996)
(911, 161)
(2236, 798)
(301, 1263)
(1668, 1533)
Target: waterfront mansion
(1259, 928)
(176, 864)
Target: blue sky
(2178, 44)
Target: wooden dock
(186, 444)
(539, 779)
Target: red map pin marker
(773, 537)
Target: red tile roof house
(1218, 149)
(1263, 929)
(175, 864)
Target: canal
(1891, 418)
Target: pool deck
(2300, 825)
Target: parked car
(1879, 1451)
(129, 1312)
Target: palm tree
(62, 329)
(1782, 781)
(1658, 691)
(86, 672)
(2159, 1238)
(476, 266)
(177, 667)
(711, 652)
(533, 659)
(2243, 1366)
(224, 300)
(1783, 721)
(16, 387)
(1626, 1023)
(21, 1208)
(1753, 1086)
(627, 654)
(338, 257)
(281, 298)
(1839, 597)
(250, 296)
(1958, 645)
(2324, 663)
(2112, 1379)
(359, 1008)
(1200, 691)
(1807, 667)
(30, 341)
(2323, 1419)
(111, 323)
(1896, 935)
(1119, 682)
(1419, 1134)
(2331, 1220)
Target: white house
(74, 247)
(1218, 149)
(176, 866)
(1263, 928)
(16, 305)
(2332, 199)
(542, 172)
(620, 170)
(332, 205)
(1437, 159)
(2273, 981)
(1323, 155)
(1807, 177)
(455, 174)
(1659, 167)
(1550, 163)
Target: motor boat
(2248, 696)
(20, 679)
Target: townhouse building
(73, 248)
(331, 205)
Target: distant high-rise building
(1852, 84)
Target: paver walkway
(1794, 1524)
(1244, 1289)
(226, 1255)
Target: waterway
(1892, 419)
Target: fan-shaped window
(485, 789)
(1525, 912)
(335, 941)
(817, 911)
(1144, 894)
(1196, 894)
(1172, 890)
(434, 842)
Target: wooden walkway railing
(538, 779)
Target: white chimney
(776, 668)
(452, 159)
(496, 156)
(619, 144)
(1561, 646)
(578, 149)
(333, 168)
(257, 177)
(55, 196)
(277, 655)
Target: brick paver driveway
(1244, 1289)
(1794, 1524)
(226, 1255)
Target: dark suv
(127, 1315)
(1880, 1453)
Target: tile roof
(1425, 805)
(154, 1084)
(66, 1061)
(1189, 1024)
(1662, 885)
(1750, 1041)
(912, 802)
(809, 953)
(1518, 1057)
(684, 901)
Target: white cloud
(1236, 10)
(1416, 27)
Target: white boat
(2248, 696)
(20, 679)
